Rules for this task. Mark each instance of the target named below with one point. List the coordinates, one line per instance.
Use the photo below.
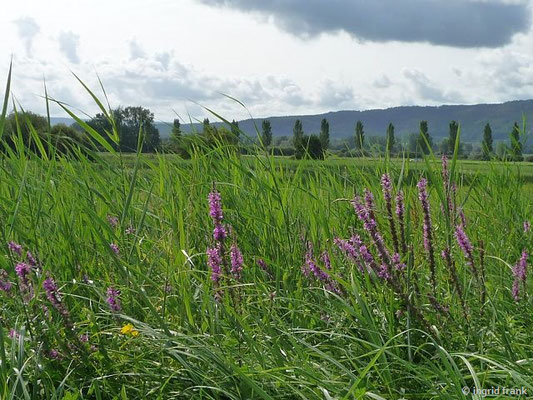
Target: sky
(276, 57)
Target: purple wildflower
(113, 221)
(5, 285)
(346, 247)
(215, 207)
(397, 262)
(384, 272)
(84, 338)
(428, 240)
(462, 217)
(520, 275)
(23, 271)
(324, 257)
(365, 254)
(113, 299)
(53, 295)
(214, 260)
(387, 195)
(466, 247)
(130, 230)
(13, 334)
(31, 259)
(53, 354)
(321, 275)
(236, 261)
(15, 248)
(219, 233)
(527, 226)
(114, 248)
(370, 225)
(262, 264)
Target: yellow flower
(129, 330)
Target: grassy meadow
(130, 292)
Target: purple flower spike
(115, 248)
(520, 275)
(113, 221)
(214, 260)
(53, 295)
(31, 259)
(527, 226)
(384, 272)
(23, 271)
(15, 248)
(387, 195)
(215, 207)
(369, 223)
(219, 233)
(326, 260)
(387, 187)
(5, 285)
(236, 261)
(113, 299)
(262, 264)
(428, 240)
(398, 265)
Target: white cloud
(27, 30)
(68, 45)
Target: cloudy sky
(279, 57)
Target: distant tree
(487, 142)
(424, 138)
(452, 136)
(324, 134)
(134, 120)
(24, 122)
(391, 141)
(298, 139)
(175, 134)
(235, 128)
(205, 125)
(176, 127)
(266, 135)
(359, 135)
(516, 145)
(129, 122)
(314, 147)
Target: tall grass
(288, 337)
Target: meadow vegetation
(227, 276)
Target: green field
(274, 333)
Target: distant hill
(405, 119)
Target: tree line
(136, 130)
